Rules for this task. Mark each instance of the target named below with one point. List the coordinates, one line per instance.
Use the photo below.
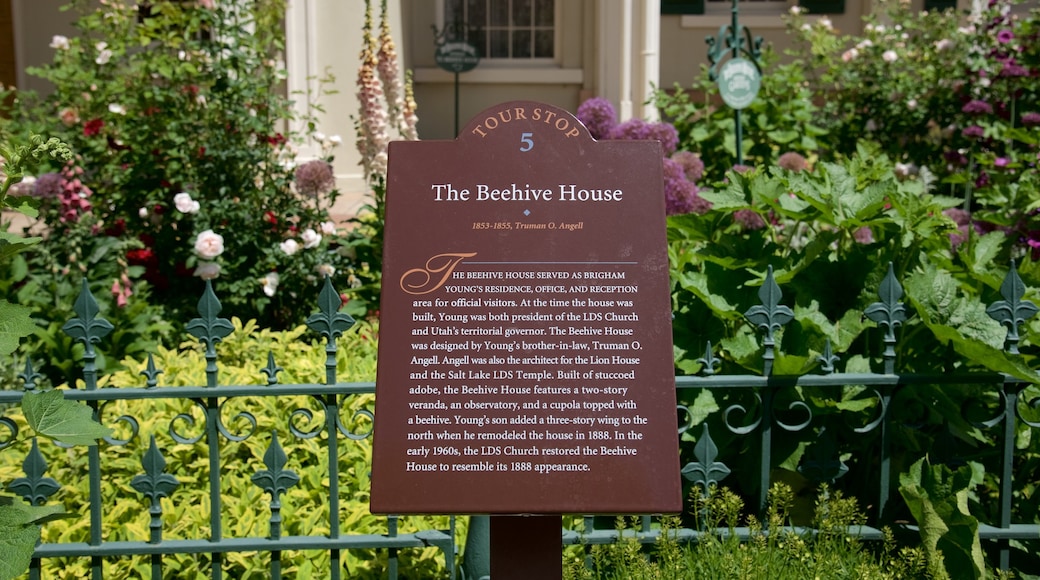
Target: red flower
(116, 229)
(277, 139)
(141, 257)
(92, 127)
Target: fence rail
(760, 410)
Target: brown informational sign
(525, 348)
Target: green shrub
(942, 93)
(241, 356)
(782, 119)
(770, 550)
(186, 151)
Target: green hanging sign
(739, 81)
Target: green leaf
(962, 323)
(51, 415)
(23, 205)
(17, 542)
(782, 136)
(703, 407)
(728, 198)
(12, 243)
(15, 323)
(938, 499)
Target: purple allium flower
(959, 237)
(691, 164)
(640, 130)
(749, 219)
(1030, 119)
(973, 132)
(680, 194)
(1005, 36)
(598, 116)
(667, 135)
(977, 107)
(634, 129)
(792, 161)
(49, 185)
(742, 168)
(315, 178)
(958, 215)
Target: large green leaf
(938, 499)
(15, 323)
(51, 415)
(697, 284)
(11, 244)
(18, 539)
(729, 198)
(962, 323)
(19, 531)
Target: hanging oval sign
(739, 81)
(457, 57)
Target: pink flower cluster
(67, 189)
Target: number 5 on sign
(526, 143)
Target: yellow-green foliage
(245, 511)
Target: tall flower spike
(408, 131)
(389, 71)
(372, 136)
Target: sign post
(455, 55)
(525, 362)
(739, 78)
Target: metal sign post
(739, 78)
(454, 54)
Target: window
(506, 29)
(747, 6)
(751, 7)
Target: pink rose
(209, 245)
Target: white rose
(289, 246)
(142, 212)
(209, 245)
(328, 228)
(270, 283)
(889, 56)
(60, 42)
(184, 204)
(104, 56)
(310, 238)
(207, 270)
(335, 139)
(116, 109)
